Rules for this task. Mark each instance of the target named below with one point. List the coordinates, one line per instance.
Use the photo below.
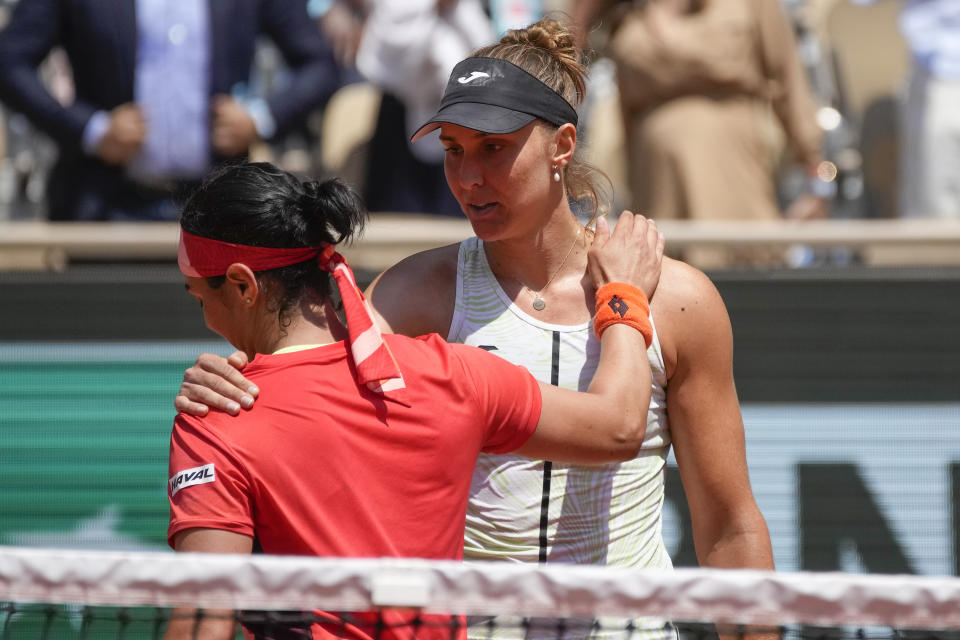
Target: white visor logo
(473, 76)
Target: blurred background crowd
(697, 109)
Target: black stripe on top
(547, 465)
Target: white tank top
(533, 511)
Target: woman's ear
(241, 285)
(566, 144)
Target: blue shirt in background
(932, 31)
(171, 87)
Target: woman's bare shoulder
(682, 284)
(416, 295)
(686, 303)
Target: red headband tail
(376, 366)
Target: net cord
(226, 581)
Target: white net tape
(285, 582)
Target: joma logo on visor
(190, 477)
(473, 76)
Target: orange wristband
(621, 303)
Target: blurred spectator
(408, 49)
(161, 93)
(341, 21)
(930, 139)
(3, 159)
(514, 14)
(697, 80)
(6, 187)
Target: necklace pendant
(539, 303)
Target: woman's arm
(607, 422)
(215, 624)
(706, 426)
(791, 95)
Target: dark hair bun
(335, 208)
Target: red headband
(200, 257)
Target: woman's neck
(309, 324)
(543, 256)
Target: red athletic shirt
(322, 466)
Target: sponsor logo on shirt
(190, 477)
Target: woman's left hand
(633, 253)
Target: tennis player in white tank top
(530, 511)
(539, 511)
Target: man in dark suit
(161, 93)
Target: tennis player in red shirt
(363, 444)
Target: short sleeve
(207, 486)
(508, 398)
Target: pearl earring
(556, 174)
(249, 300)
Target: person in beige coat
(699, 81)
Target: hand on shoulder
(632, 253)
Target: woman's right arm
(214, 624)
(413, 297)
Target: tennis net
(49, 593)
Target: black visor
(496, 96)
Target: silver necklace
(538, 302)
